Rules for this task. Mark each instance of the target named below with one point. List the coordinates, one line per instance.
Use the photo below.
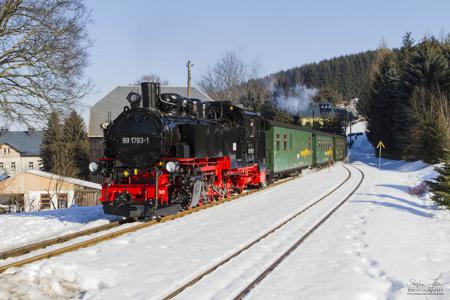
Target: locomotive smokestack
(150, 94)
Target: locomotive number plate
(135, 140)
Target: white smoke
(298, 100)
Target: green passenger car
(288, 148)
(339, 148)
(322, 147)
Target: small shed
(39, 190)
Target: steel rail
(252, 243)
(300, 241)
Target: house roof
(65, 179)
(114, 102)
(28, 143)
(38, 181)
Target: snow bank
(55, 281)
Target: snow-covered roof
(114, 102)
(66, 179)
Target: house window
(45, 201)
(30, 165)
(1, 166)
(13, 166)
(284, 142)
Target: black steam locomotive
(175, 152)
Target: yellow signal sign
(329, 152)
(380, 144)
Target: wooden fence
(87, 197)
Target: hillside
(337, 79)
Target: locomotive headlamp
(104, 125)
(93, 167)
(172, 166)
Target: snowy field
(380, 244)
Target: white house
(19, 151)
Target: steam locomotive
(172, 153)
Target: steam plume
(298, 100)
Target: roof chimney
(30, 129)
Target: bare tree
(226, 79)
(54, 190)
(431, 109)
(152, 78)
(43, 55)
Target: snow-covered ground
(376, 246)
(382, 242)
(24, 228)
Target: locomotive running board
(139, 211)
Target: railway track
(283, 255)
(21, 251)
(57, 240)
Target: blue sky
(135, 37)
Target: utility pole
(189, 65)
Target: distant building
(322, 110)
(38, 190)
(19, 151)
(110, 106)
(316, 112)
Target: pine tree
(441, 186)
(51, 142)
(380, 116)
(426, 72)
(77, 143)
